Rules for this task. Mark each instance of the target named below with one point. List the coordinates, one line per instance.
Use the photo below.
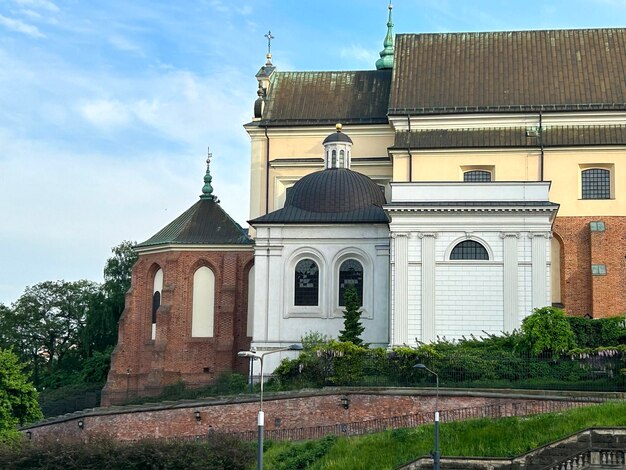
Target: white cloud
(21, 27)
(38, 4)
(124, 44)
(359, 54)
(105, 113)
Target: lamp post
(253, 355)
(436, 454)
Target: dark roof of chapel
(315, 98)
(204, 223)
(335, 195)
(509, 71)
(559, 136)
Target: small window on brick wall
(598, 269)
(597, 226)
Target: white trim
(479, 240)
(368, 281)
(302, 310)
(185, 247)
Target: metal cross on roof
(269, 42)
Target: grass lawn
(506, 437)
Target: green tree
(18, 397)
(547, 330)
(117, 275)
(352, 327)
(48, 322)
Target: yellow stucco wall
(561, 166)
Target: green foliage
(18, 397)
(504, 437)
(300, 455)
(219, 453)
(352, 327)
(227, 383)
(595, 333)
(547, 331)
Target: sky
(107, 107)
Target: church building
(468, 179)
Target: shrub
(547, 331)
(352, 327)
(220, 453)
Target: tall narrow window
(596, 183)
(334, 160)
(157, 287)
(342, 159)
(350, 274)
(469, 250)
(306, 291)
(477, 175)
(203, 303)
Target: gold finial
(338, 126)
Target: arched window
(203, 306)
(469, 250)
(596, 183)
(350, 274)
(334, 160)
(341, 159)
(306, 291)
(477, 175)
(157, 287)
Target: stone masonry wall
(141, 366)
(287, 411)
(584, 294)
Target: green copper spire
(386, 55)
(207, 189)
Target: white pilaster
(400, 327)
(539, 278)
(428, 286)
(510, 285)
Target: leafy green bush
(220, 453)
(299, 456)
(595, 333)
(547, 331)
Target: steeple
(263, 77)
(386, 55)
(207, 189)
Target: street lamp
(436, 454)
(253, 355)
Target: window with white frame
(306, 283)
(469, 250)
(350, 274)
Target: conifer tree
(351, 318)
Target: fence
(469, 369)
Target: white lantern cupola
(338, 149)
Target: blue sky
(107, 107)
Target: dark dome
(337, 137)
(335, 190)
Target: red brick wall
(141, 366)
(240, 414)
(584, 294)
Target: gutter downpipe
(267, 171)
(540, 135)
(409, 147)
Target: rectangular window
(596, 183)
(597, 226)
(598, 269)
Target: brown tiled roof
(509, 71)
(562, 136)
(301, 98)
